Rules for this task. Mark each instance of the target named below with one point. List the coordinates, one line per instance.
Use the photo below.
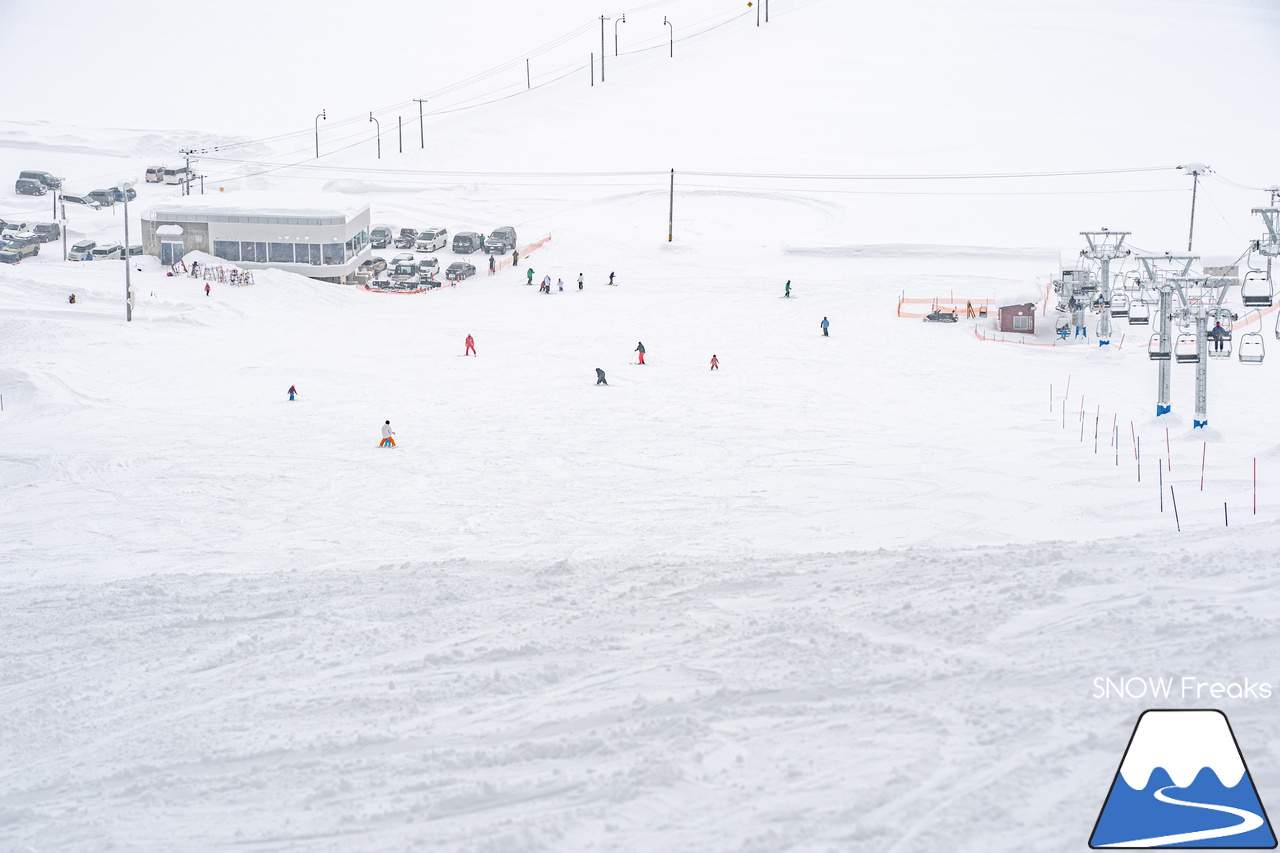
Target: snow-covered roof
(258, 203)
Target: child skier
(560, 284)
(640, 349)
(293, 392)
(546, 284)
(579, 281)
(715, 362)
(600, 377)
(492, 266)
(206, 290)
(471, 347)
(387, 433)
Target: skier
(546, 284)
(293, 392)
(640, 349)
(387, 440)
(787, 293)
(715, 362)
(826, 324)
(1218, 334)
(611, 278)
(206, 290)
(560, 284)
(492, 266)
(515, 258)
(600, 380)
(471, 347)
(530, 274)
(72, 300)
(579, 281)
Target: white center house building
(320, 235)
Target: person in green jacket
(530, 274)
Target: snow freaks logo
(1182, 783)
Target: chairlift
(1062, 326)
(1184, 349)
(1225, 352)
(1252, 349)
(1256, 290)
(1155, 352)
(1119, 305)
(1140, 315)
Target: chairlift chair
(1225, 352)
(1184, 349)
(1256, 290)
(1119, 305)
(1140, 314)
(1252, 348)
(1154, 352)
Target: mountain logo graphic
(1182, 783)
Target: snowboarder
(72, 300)
(206, 290)
(611, 279)
(787, 292)
(471, 347)
(826, 324)
(640, 349)
(387, 433)
(600, 380)
(293, 392)
(530, 274)
(1218, 334)
(560, 284)
(492, 266)
(579, 281)
(715, 362)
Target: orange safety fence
(959, 306)
(527, 250)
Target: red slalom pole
(1113, 426)
(1203, 450)
(1134, 433)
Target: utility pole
(186, 180)
(602, 20)
(672, 47)
(422, 134)
(319, 118)
(1195, 170)
(125, 187)
(671, 208)
(623, 20)
(528, 80)
(378, 124)
(62, 225)
(593, 69)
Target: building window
(1022, 324)
(307, 253)
(170, 252)
(228, 250)
(333, 253)
(281, 253)
(253, 252)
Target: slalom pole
(1174, 495)
(1225, 521)
(1139, 457)
(1161, 472)
(1097, 416)
(1082, 430)
(1113, 422)
(1133, 433)
(1255, 485)
(1068, 394)
(1081, 407)
(1117, 446)
(1051, 398)
(1203, 450)
(1168, 454)
(1064, 412)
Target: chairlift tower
(1104, 247)
(1269, 246)
(1157, 271)
(1198, 296)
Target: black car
(501, 241)
(26, 186)
(458, 270)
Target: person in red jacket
(206, 290)
(471, 346)
(715, 362)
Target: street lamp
(672, 46)
(125, 187)
(379, 125)
(621, 20)
(602, 20)
(318, 118)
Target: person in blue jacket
(826, 324)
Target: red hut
(1018, 318)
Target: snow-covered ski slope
(844, 594)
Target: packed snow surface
(854, 592)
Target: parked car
(117, 195)
(47, 232)
(433, 239)
(405, 273)
(373, 266)
(155, 174)
(501, 241)
(406, 239)
(458, 270)
(26, 186)
(14, 228)
(428, 267)
(133, 249)
(104, 198)
(403, 258)
(466, 242)
(82, 251)
(72, 198)
(9, 256)
(180, 175)
(111, 251)
(49, 181)
(26, 245)
(381, 236)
